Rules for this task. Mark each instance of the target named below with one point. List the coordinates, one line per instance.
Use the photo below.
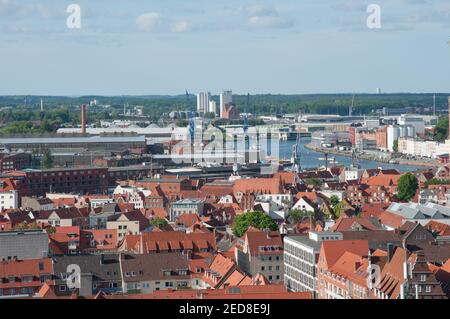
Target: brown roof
(150, 267)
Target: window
(423, 278)
(428, 289)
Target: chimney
(390, 252)
(83, 119)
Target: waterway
(311, 159)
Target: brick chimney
(83, 119)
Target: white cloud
(260, 16)
(179, 26)
(260, 10)
(155, 22)
(149, 22)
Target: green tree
(255, 219)
(340, 208)
(47, 160)
(334, 200)
(407, 187)
(441, 129)
(298, 215)
(159, 222)
(395, 146)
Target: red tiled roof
(343, 224)
(258, 185)
(382, 180)
(438, 228)
(263, 242)
(333, 250)
(220, 269)
(64, 202)
(188, 220)
(151, 241)
(102, 240)
(18, 269)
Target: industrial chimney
(83, 119)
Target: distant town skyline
(256, 47)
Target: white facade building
(9, 200)
(393, 133)
(212, 107)
(415, 121)
(203, 100)
(414, 147)
(301, 254)
(226, 97)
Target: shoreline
(370, 158)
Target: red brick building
(14, 161)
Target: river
(310, 159)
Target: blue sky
(168, 46)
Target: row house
(23, 278)
(407, 276)
(99, 273)
(261, 251)
(72, 240)
(332, 282)
(130, 223)
(71, 216)
(169, 241)
(378, 195)
(142, 274)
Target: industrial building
(38, 145)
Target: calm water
(310, 159)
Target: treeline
(59, 110)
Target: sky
(150, 47)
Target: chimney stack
(83, 119)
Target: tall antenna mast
(350, 111)
(434, 105)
